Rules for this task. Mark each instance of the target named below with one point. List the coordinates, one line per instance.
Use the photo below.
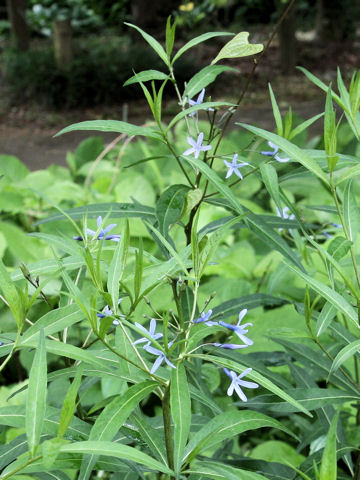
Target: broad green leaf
(203, 78)
(146, 76)
(116, 126)
(255, 376)
(220, 471)
(196, 41)
(328, 469)
(114, 210)
(324, 319)
(254, 222)
(13, 168)
(196, 108)
(351, 211)
(328, 293)
(50, 450)
(276, 112)
(53, 322)
(12, 296)
(292, 150)
(117, 266)
(225, 426)
(36, 396)
(270, 179)
(154, 44)
(339, 247)
(180, 404)
(111, 420)
(69, 403)
(118, 451)
(343, 355)
(238, 47)
(169, 207)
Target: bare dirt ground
(27, 131)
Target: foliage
(134, 338)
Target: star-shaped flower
(150, 332)
(236, 383)
(233, 167)
(284, 213)
(199, 101)
(161, 357)
(107, 312)
(102, 235)
(274, 153)
(204, 317)
(240, 330)
(196, 146)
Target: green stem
(18, 469)
(167, 428)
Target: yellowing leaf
(239, 47)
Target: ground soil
(27, 131)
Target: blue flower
(107, 312)
(231, 346)
(150, 332)
(274, 153)
(199, 101)
(233, 167)
(161, 357)
(196, 146)
(285, 215)
(240, 330)
(204, 317)
(102, 235)
(236, 383)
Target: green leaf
(169, 207)
(36, 396)
(220, 471)
(196, 108)
(112, 126)
(238, 47)
(150, 436)
(233, 306)
(154, 44)
(180, 404)
(328, 469)
(118, 451)
(328, 293)
(146, 76)
(53, 322)
(111, 420)
(225, 426)
(254, 221)
(276, 112)
(322, 85)
(69, 403)
(13, 168)
(203, 78)
(12, 296)
(351, 211)
(255, 376)
(50, 450)
(292, 150)
(303, 126)
(270, 179)
(169, 36)
(117, 267)
(343, 355)
(330, 139)
(349, 173)
(114, 210)
(324, 319)
(339, 247)
(196, 41)
(62, 243)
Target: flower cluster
(199, 101)
(240, 331)
(102, 235)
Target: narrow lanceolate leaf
(344, 354)
(196, 41)
(328, 469)
(203, 78)
(331, 295)
(180, 411)
(276, 112)
(154, 44)
(151, 436)
(196, 108)
(36, 396)
(324, 319)
(351, 211)
(112, 126)
(270, 179)
(118, 451)
(111, 419)
(220, 471)
(69, 403)
(146, 76)
(11, 295)
(225, 426)
(256, 377)
(117, 266)
(293, 151)
(169, 207)
(239, 47)
(254, 222)
(339, 247)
